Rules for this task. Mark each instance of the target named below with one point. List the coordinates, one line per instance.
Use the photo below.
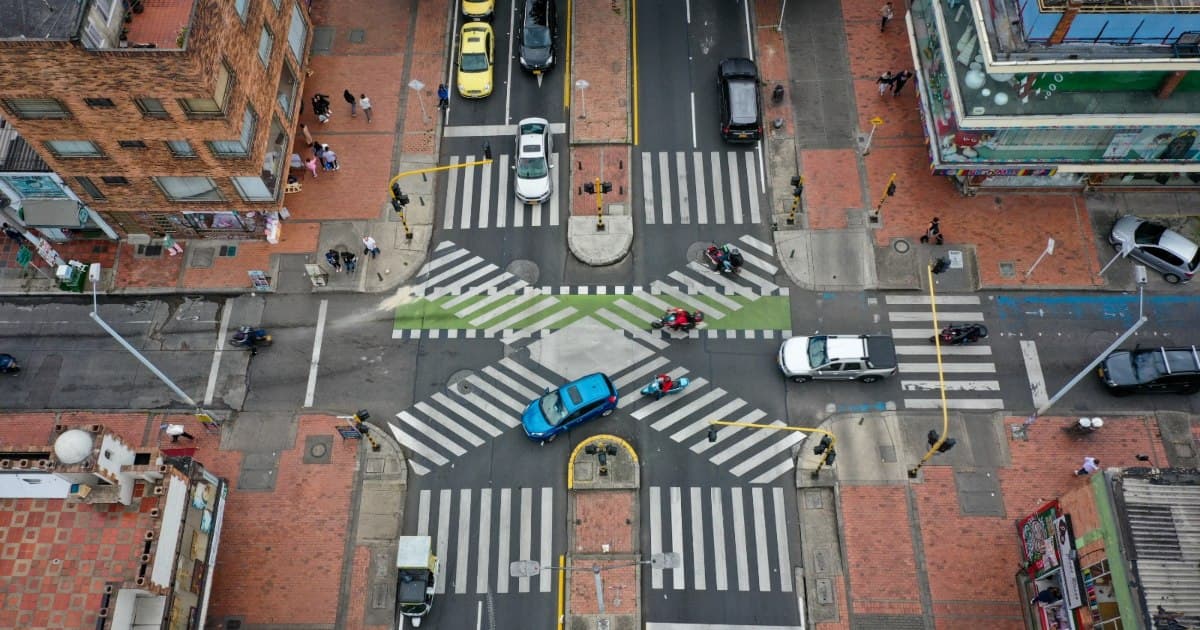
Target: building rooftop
(163, 23)
(40, 19)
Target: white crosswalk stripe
(480, 197)
(747, 535)
(674, 188)
(477, 529)
(964, 368)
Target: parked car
(1157, 247)
(741, 105)
(1152, 370)
(476, 56)
(863, 358)
(534, 183)
(478, 9)
(592, 396)
(539, 30)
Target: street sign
(876, 121)
(24, 256)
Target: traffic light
(399, 199)
(605, 187)
(891, 189)
(823, 445)
(589, 188)
(933, 438)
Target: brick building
(152, 117)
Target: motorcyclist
(248, 338)
(681, 319)
(664, 383)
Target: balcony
(159, 24)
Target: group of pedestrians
(322, 156)
(349, 260)
(893, 81)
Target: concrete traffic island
(600, 181)
(603, 564)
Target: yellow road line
(633, 30)
(567, 61)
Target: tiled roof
(45, 19)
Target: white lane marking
(540, 325)
(522, 315)
(451, 272)
(451, 194)
(485, 197)
(971, 350)
(511, 383)
(781, 539)
(954, 403)
(656, 574)
(701, 198)
(633, 394)
(764, 285)
(959, 368)
(508, 80)
(665, 187)
(485, 539)
(503, 199)
(462, 282)
(687, 410)
(771, 474)
(755, 214)
(738, 508)
(506, 293)
(754, 437)
(692, 99)
(498, 395)
(718, 190)
(648, 188)
(913, 333)
(677, 536)
(639, 371)
(706, 420)
(720, 571)
(926, 316)
(649, 298)
(418, 468)
(626, 306)
(762, 171)
(503, 532)
(423, 428)
(767, 453)
(942, 300)
(449, 423)
(760, 540)
(1033, 369)
(951, 386)
(695, 287)
(423, 513)
(490, 409)
(668, 400)
(417, 447)
(226, 312)
(468, 189)
(710, 312)
(553, 207)
(628, 326)
(437, 263)
(730, 287)
(464, 540)
(547, 508)
(735, 188)
(697, 539)
(316, 355)
(681, 187)
(524, 372)
(757, 244)
(477, 131)
(526, 542)
(488, 285)
(462, 412)
(750, 418)
(755, 261)
(443, 536)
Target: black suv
(741, 108)
(1152, 370)
(539, 29)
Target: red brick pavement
(600, 55)
(585, 166)
(604, 517)
(969, 561)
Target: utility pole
(890, 191)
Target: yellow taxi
(476, 48)
(478, 9)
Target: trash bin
(71, 277)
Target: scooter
(8, 364)
(251, 338)
(725, 259)
(654, 389)
(668, 320)
(959, 334)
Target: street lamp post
(582, 86)
(530, 568)
(418, 86)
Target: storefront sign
(1065, 538)
(1037, 540)
(994, 172)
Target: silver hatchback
(1157, 247)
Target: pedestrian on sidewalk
(330, 159)
(1090, 465)
(934, 232)
(13, 234)
(898, 83)
(308, 140)
(311, 164)
(885, 81)
(365, 104)
(350, 99)
(885, 15)
(443, 96)
(370, 247)
(176, 431)
(350, 261)
(334, 260)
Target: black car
(539, 29)
(741, 106)
(1152, 370)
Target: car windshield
(1148, 233)
(553, 409)
(474, 62)
(1148, 365)
(816, 352)
(531, 168)
(537, 37)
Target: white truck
(863, 358)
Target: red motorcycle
(678, 319)
(725, 259)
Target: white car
(533, 148)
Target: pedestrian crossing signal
(606, 187)
(933, 438)
(589, 188)
(823, 445)
(891, 189)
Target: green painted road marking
(761, 313)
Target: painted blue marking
(1116, 307)
(863, 408)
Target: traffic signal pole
(824, 448)
(938, 442)
(399, 200)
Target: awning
(53, 213)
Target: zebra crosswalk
(447, 424)
(717, 187)
(965, 368)
(728, 539)
(481, 197)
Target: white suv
(534, 147)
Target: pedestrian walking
(311, 164)
(934, 232)
(13, 234)
(902, 77)
(330, 159)
(350, 261)
(177, 431)
(443, 96)
(885, 81)
(334, 259)
(350, 99)
(1090, 465)
(370, 247)
(365, 104)
(885, 15)
(308, 140)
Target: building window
(114, 180)
(181, 148)
(266, 41)
(151, 108)
(90, 188)
(297, 33)
(100, 103)
(240, 147)
(189, 188)
(227, 221)
(288, 87)
(131, 144)
(73, 148)
(241, 5)
(253, 189)
(36, 108)
(215, 106)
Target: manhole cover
(526, 270)
(318, 450)
(901, 246)
(458, 381)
